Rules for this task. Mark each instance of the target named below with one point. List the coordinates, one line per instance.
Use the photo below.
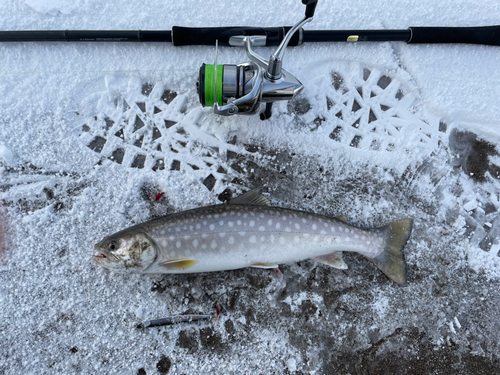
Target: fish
(248, 232)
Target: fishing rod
(252, 87)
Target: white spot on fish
(323, 231)
(164, 243)
(230, 223)
(231, 240)
(205, 222)
(178, 229)
(178, 244)
(341, 229)
(198, 226)
(296, 239)
(278, 225)
(212, 227)
(252, 223)
(304, 220)
(204, 235)
(238, 222)
(261, 216)
(314, 227)
(348, 239)
(195, 243)
(222, 234)
(368, 242)
(162, 232)
(242, 233)
(203, 245)
(270, 222)
(337, 239)
(213, 244)
(363, 237)
(284, 217)
(262, 238)
(282, 240)
(216, 216)
(332, 229)
(221, 223)
(253, 239)
(262, 228)
(356, 236)
(288, 229)
(297, 226)
(272, 238)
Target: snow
(424, 146)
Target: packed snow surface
(96, 137)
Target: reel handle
(310, 7)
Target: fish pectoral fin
(253, 196)
(333, 260)
(178, 264)
(264, 265)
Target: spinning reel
(241, 89)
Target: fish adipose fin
(391, 261)
(342, 218)
(253, 197)
(178, 264)
(333, 260)
(264, 265)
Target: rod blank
(182, 36)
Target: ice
(91, 133)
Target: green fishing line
(209, 84)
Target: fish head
(126, 251)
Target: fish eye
(112, 245)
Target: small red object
(217, 308)
(277, 270)
(158, 196)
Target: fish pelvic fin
(178, 264)
(264, 265)
(391, 261)
(333, 260)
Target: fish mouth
(99, 256)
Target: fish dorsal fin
(342, 218)
(178, 264)
(253, 197)
(333, 260)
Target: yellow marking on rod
(353, 38)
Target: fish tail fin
(391, 261)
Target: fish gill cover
(96, 138)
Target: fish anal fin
(178, 264)
(333, 260)
(264, 265)
(253, 197)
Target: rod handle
(489, 35)
(206, 36)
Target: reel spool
(233, 81)
(241, 89)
